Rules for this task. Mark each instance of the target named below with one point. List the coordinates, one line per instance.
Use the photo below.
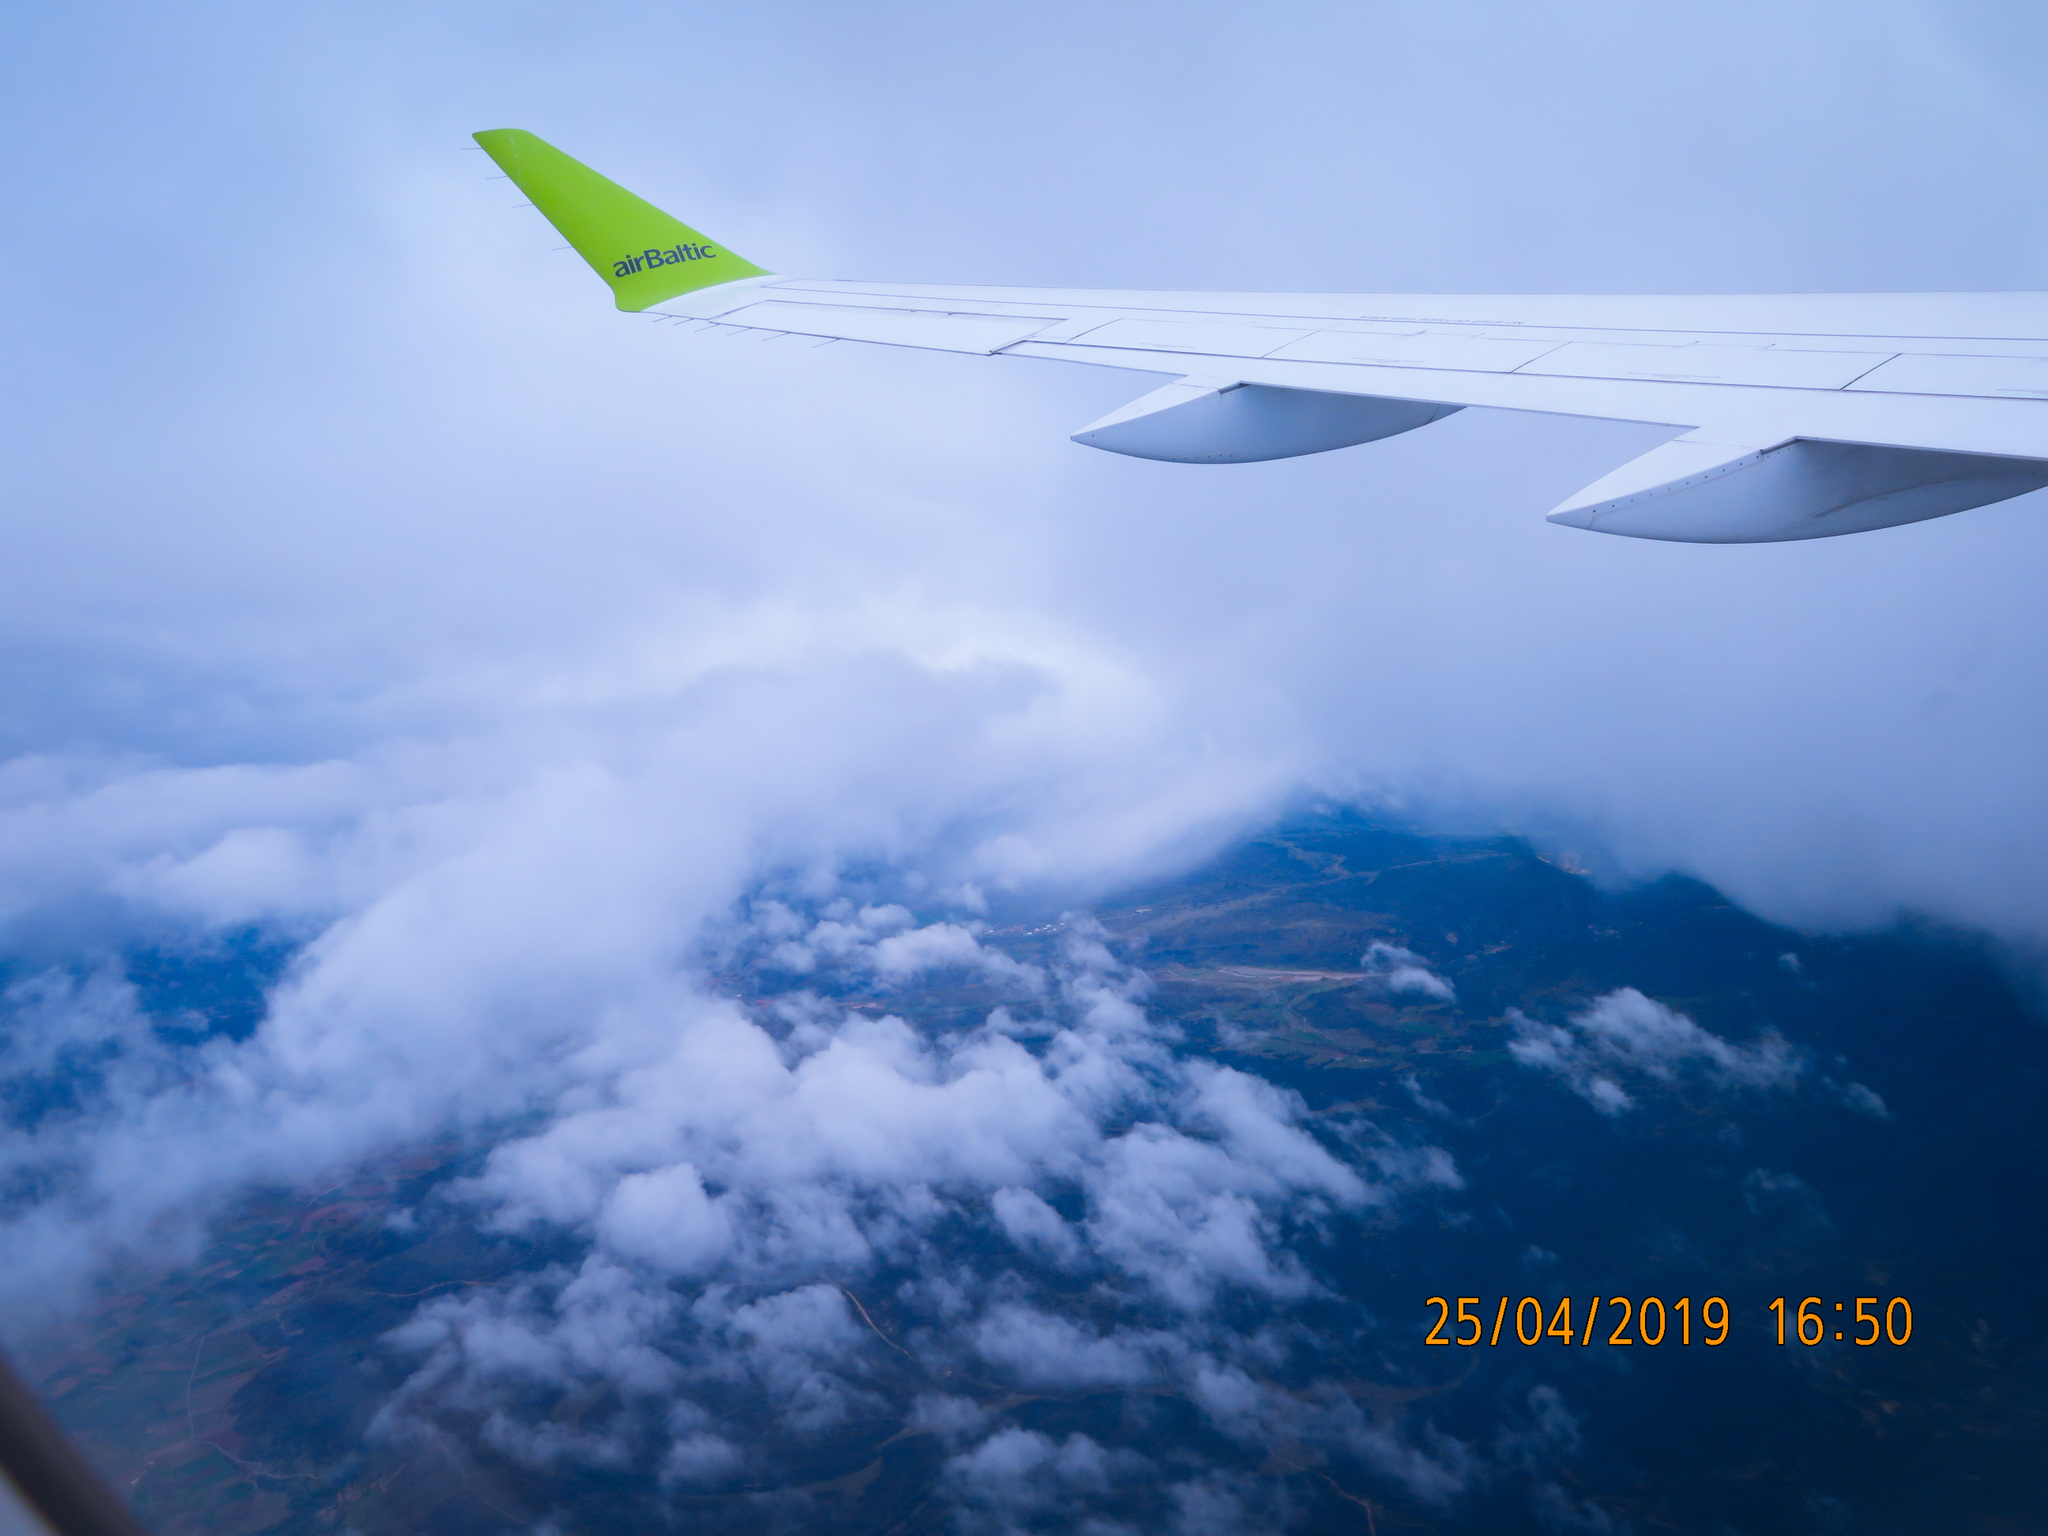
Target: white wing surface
(1795, 416)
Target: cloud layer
(732, 1186)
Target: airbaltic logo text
(628, 265)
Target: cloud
(1019, 1479)
(953, 1419)
(664, 1219)
(1016, 1471)
(1405, 971)
(485, 1353)
(1865, 1101)
(1042, 1349)
(885, 941)
(1624, 1033)
(737, 1189)
(1030, 1223)
(693, 1456)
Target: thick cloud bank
(477, 923)
(377, 481)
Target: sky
(371, 583)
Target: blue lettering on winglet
(626, 266)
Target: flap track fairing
(1699, 492)
(1205, 422)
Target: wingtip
(1570, 516)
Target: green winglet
(643, 253)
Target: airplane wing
(1795, 416)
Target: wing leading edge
(1796, 416)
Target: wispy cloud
(1402, 970)
(1625, 1035)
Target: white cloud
(694, 1458)
(729, 1184)
(1017, 1477)
(547, 1444)
(953, 1419)
(940, 946)
(663, 1218)
(885, 941)
(1865, 1101)
(1641, 1033)
(486, 1349)
(1624, 1032)
(1031, 1223)
(1405, 971)
(1046, 1350)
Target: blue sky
(369, 580)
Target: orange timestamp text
(1624, 1320)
